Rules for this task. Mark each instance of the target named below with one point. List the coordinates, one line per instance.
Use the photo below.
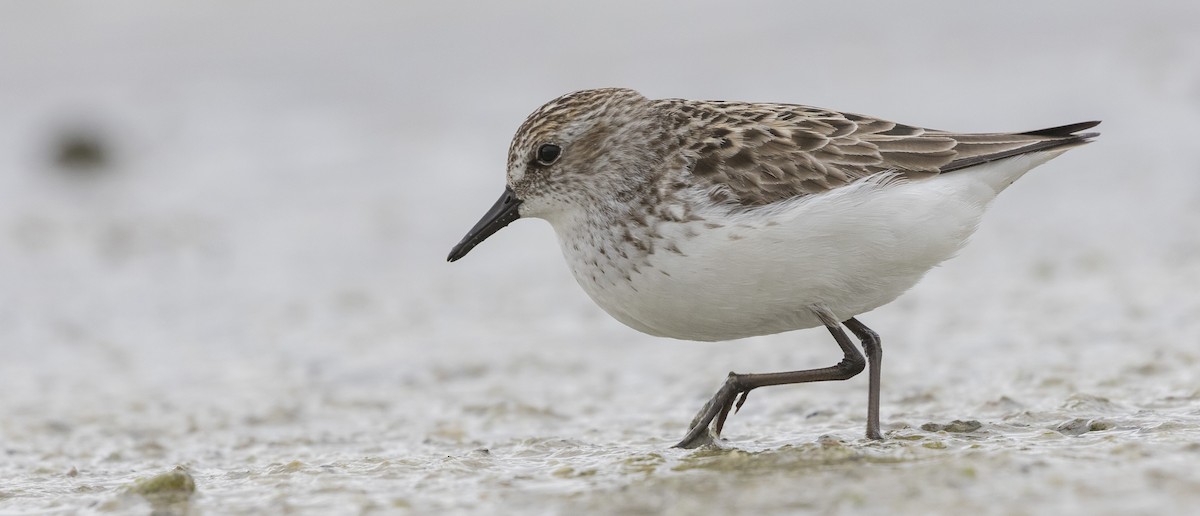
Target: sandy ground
(223, 231)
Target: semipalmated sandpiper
(708, 221)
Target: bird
(722, 220)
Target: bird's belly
(722, 279)
(727, 294)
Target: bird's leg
(871, 345)
(718, 407)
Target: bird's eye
(548, 153)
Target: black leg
(871, 345)
(718, 407)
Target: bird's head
(587, 150)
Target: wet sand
(248, 280)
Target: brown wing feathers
(763, 153)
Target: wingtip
(1068, 130)
(1084, 125)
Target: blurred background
(223, 230)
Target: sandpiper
(714, 220)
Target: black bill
(501, 214)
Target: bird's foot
(873, 432)
(717, 409)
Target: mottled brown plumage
(757, 154)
